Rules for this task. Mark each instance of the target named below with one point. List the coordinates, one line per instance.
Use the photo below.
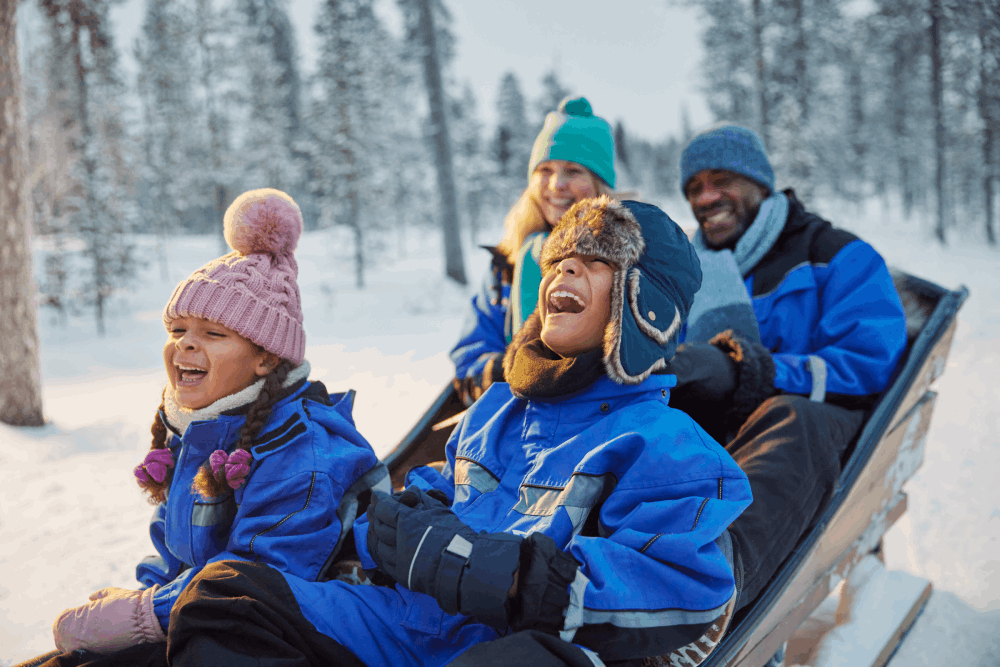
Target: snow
(73, 521)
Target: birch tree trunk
(454, 262)
(20, 379)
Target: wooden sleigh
(869, 500)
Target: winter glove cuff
(544, 576)
(755, 375)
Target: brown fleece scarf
(538, 372)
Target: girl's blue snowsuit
(633, 489)
(295, 509)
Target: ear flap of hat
(644, 337)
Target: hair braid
(157, 491)
(210, 484)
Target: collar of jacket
(223, 431)
(606, 390)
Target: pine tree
(270, 93)
(553, 92)
(102, 213)
(475, 173)
(20, 379)
(512, 146)
(170, 168)
(351, 124)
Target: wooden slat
(821, 587)
(859, 523)
(930, 371)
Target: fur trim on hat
(599, 227)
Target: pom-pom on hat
(572, 132)
(252, 290)
(656, 276)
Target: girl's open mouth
(188, 376)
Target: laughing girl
(249, 460)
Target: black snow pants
(790, 449)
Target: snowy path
(72, 521)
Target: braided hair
(210, 484)
(157, 491)
(206, 482)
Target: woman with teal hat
(573, 158)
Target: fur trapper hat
(656, 276)
(252, 290)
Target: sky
(638, 63)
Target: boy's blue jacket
(295, 509)
(820, 293)
(636, 491)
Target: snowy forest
(892, 99)
(884, 115)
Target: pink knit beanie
(252, 290)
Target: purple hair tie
(236, 465)
(155, 465)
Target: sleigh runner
(869, 500)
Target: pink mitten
(114, 619)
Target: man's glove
(417, 540)
(704, 373)
(720, 383)
(114, 619)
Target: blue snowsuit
(823, 298)
(633, 489)
(293, 513)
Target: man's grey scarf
(723, 302)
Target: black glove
(472, 387)
(704, 373)
(417, 540)
(720, 383)
(544, 577)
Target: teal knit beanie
(572, 132)
(730, 148)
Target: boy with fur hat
(578, 515)
(249, 459)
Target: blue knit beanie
(572, 132)
(732, 148)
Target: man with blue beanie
(578, 519)
(830, 331)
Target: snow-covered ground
(72, 520)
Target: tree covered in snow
(513, 138)
(170, 189)
(95, 208)
(270, 95)
(351, 158)
(895, 98)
